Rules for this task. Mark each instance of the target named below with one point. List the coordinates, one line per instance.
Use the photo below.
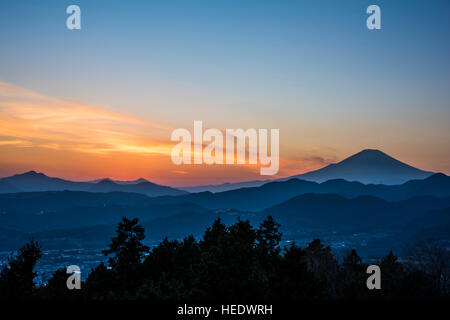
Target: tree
(354, 276)
(214, 234)
(17, 278)
(168, 269)
(56, 288)
(433, 259)
(101, 284)
(269, 236)
(229, 267)
(127, 247)
(322, 262)
(292, 280)
(392, 277)
(127, 252)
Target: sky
(102, 101)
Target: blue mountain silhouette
(33, 181)
(367, 166)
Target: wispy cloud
(31, 119)
(72, 139)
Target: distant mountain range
(35, 211)
(333, 211)
(269, 194)
(32, 181)
(225, 186)
(55, 209)
(72, 219)
(67, 214)
(416, 209)
(120, 181)
(367, 166)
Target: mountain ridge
(378, 168)
(32, 181)
(258, 198)
(369, 166)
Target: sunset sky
(102, 101)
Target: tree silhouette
(101, 284)
(168, 269)
(322, 262)
(127, 251)
(234, 262)
(292, 280)
(392, 276)
(17, 278)
(56, 288)
(214, 234)
(433, 259)
(127, 247)
(229, 266)
(354, 276)
(269, 236)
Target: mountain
(140, 180)
(333, 211)
(269, 194)
(120, 181)
(64, 223)
(148, 188)
(250, 198)
(6, 187)
(36, 211)
(225, 186)
(367, 166)
(58, 208)
(33, 181)
(430, 220)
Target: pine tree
(127, 252)
(17, 278)
(269, 236)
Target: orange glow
(77, 141)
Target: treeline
(236, 262)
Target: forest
(236, 262)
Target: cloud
(14, 143)
(75, 140)
(31, 119)
(298, 165)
